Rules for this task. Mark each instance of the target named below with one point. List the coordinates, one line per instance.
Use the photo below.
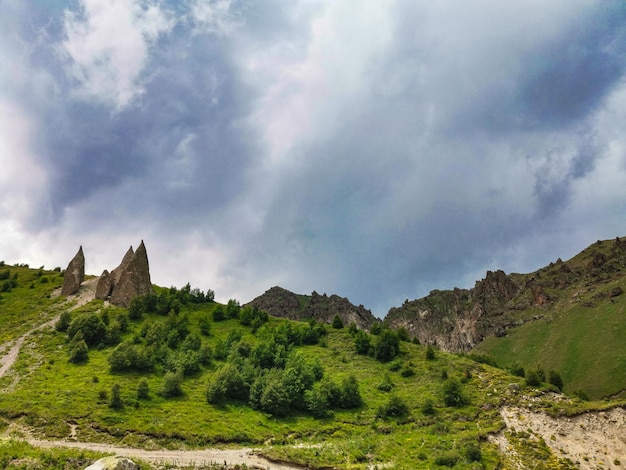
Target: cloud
(375, 152)
(107, 44)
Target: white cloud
(215, 17)
(108, 45)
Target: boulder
(74, 274)
(115, 462)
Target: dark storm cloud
(374, 152)
(571, 75)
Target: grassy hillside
(416, 411)
(580, 333)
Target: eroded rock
(74, 274)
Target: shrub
(227, 383)
(407, 372)
(91, 327)
(394, 407)
(337, 322)
(386, 385)
(452, 393)
(143, 390)
(63, 322)
(449, 459)
(532, 378)
(430, 352)
(517, 369)
(116, 397)
(129, 356)
(205, 325)
(362, 342)
(387, 346)
(79, 352)
(403, 334)
(172, 385)
(350, 394)
(218, 313)
(428, 407)
(555, 379)
(473, 453)
(376, 328)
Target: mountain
(282, 303)
(567, 316)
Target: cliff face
(457, 320)
(282, 303)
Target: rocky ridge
(282, 303)
(457, 320)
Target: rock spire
(74, 274)
(130, 279)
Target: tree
(362, 342)
(63, 322)
(452, 393)
(218, 313)
(79, 352)
(116, 397)
(337, 322)
(394, 407)
(387, 346)
(350, 394)
(430, 352)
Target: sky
(372, 149)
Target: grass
(592, 362)
(51, 393)
(47, 393)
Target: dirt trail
(85, 294)
(230, 457)
(590, 440)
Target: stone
(115, 462)
(74, 274)
(131, 278)
(104, 287)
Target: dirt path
(230, 457)
(85, 294)
(590, 440)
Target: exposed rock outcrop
(457, 320)
(282, 303)
(114, 462)
(129, 280)
(74, 274)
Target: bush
(403, 334)
(218, 313)
(63, 322)
(394, 407)
(205, 325)
(452, 393)
(387, 346)
(337, 322)
(430, 352)
(532, 378)
(428, 407)
(91, 327)
(350, 394)
(517, 369)
(555, 379)
(473, 453)
(116, 397)
(227, 383)
(449, 459)
(386, 385)
(143, 390)
(362, 342)
(172, 385)
(79, 352)
(407, 372)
